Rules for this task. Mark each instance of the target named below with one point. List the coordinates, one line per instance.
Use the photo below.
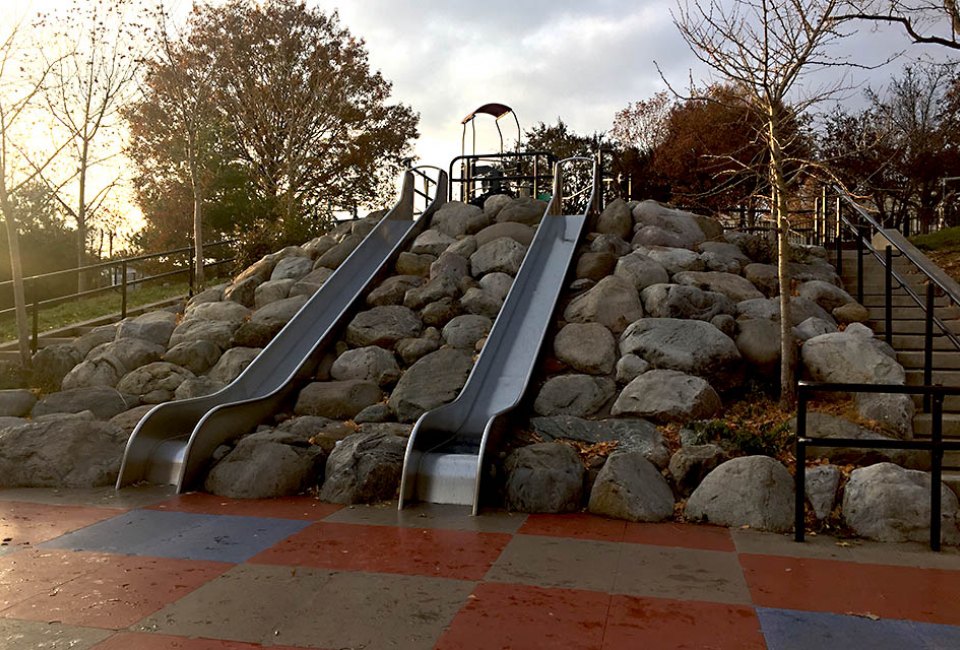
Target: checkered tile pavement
(145, 570)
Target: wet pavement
(148, 570)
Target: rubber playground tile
(25, 524)
(576, 526)
(221, 538)
(115, 591)
(666, 624)
(417, 551)
(430, 515)
(696, 536)
(929, 595)
(795, 630)
(524, 616)
(556, 562)
(35, 571)
(680, 574)
(250, 603)
(301, 508)
(102, 497)
(133, 641)
(16, 634)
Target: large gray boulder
(497, 285)
(820, 486)
(690, 346)
(690, 464)
(631, 434)
(412, 264)
(364, 468)
(826, 294)
(308, 284)
(243, 291)
(525, 210)
(16, 402)
(195, 356)
(95, 337)
(337, 399)
(586, 347)
(291, 268)
(435, 290)
(616, 219)
(464, 331)
(680, 301)
(641, 270)
(155, 327)
(759, 344)
(383, 326)
(495, 203)
(455, 219)
(431, 242)
(279, 313)
(824, 425)
(518, 232)
(545, 477)
(630, 487)
(764, 277)
(754, 491)
(481, 303)
(234, 361)
(272, 291)
(577, 395)
(392, 290)
(452, 265)
(657, 225)
(52, 363)
(503, 255)
(888, 503)
(84, 454)
(339, 253)
(735, 287)
(370, 363)
(265, 465)
(612, 302)
(850, 358)
(667, 396)
(433, 380)
(102, 401)
(197, 329)
(155, 382)
(674, 260)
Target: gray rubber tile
(21, 635)
(557, 562)
(681, 574)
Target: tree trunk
(19, 296)
(198, 241)
(778, 204)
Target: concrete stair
(908, 325)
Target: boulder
(525, 210)
(690, 464)
(629, 367)
(613, 302)
(464, 331)
(195, 356)
(280, 312)
(155, 327)
(102, 401)
(106, 364)
(16, 403)
(213, 294)
(894, 412)
(255, 335)
(337, 399)
(595, 266)
(578, 395)
(272, 291)
(364, 468)
(410, 350)
(433, 380)
(336, 256)
(754, 491)
(764, 277)
(243, 292)
(610, 244)
(493, 204)
(452, 266)
(630, 487)
(234, 361)
(51, 364)
(441, 312)
(674, 260)
(481, 303)
(465, 247)
(219, 333)
(631, 434)
(813, 269)
(735, 287)
(226, 311)
(155, 382)
(820, 486)
(308, 284)
(679, 301)
(266, 465)
(823, 425)
(502, 255)
(431, 242)
(640, 270)
(436, 289)
(94, 338)
(667, 396)
(586, 347)
(847, 358)
(197, 387)
(616, 219)
(291, 268)
(518, 232)
(129, 419)
(826, 294)
(392, 290)
(413, 264)
(84, 454)
(852, 312)
(259, 270)
(720, 250)
(812, 327)
(690, 346)
(383, 326)
(370, 363)
(759, 344)
(658, 225)
(726, 324)
(545, 477)
(456, 218)
(888, 503)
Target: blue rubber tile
(188, 536)
(788, 629)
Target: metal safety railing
(936, 445)
(521, 173)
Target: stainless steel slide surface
(173, 443)
(444, 457)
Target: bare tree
(766, 48)
(90, 85)
(21, 86)
(934, 22)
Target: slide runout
(173, 442)
(445, 452)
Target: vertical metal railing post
(888, 294)
(800, 479)
(936, 470)
(35, 316)
(860, 251)
(928, 345)
(123, 289)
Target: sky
(578, 60)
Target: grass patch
(946, 240)
(78, 311)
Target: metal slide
(173, 442)
(444, 458)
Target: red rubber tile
(24, 524)
(106, 591)
(130, 641)
(519, 616)
(707, 538)
(576, 525)
(29, 573)
(928, 595)
(301, 508)
(465, 555)
(666, 624)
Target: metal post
(928, 346)
(839, 224)
(936, 471)
(191, 276)
(36, 316)
(888, 294)
(838, 242)
(123, 289)
(743, 217)
(860, 264)
(800, 479)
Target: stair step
(922, 425)
(941, 360)
(914, 313)
(912, 326)
(877, 300)
(903, 342)
(941, 377)
(951, 403)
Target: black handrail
(936, 445)
(537, 178)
